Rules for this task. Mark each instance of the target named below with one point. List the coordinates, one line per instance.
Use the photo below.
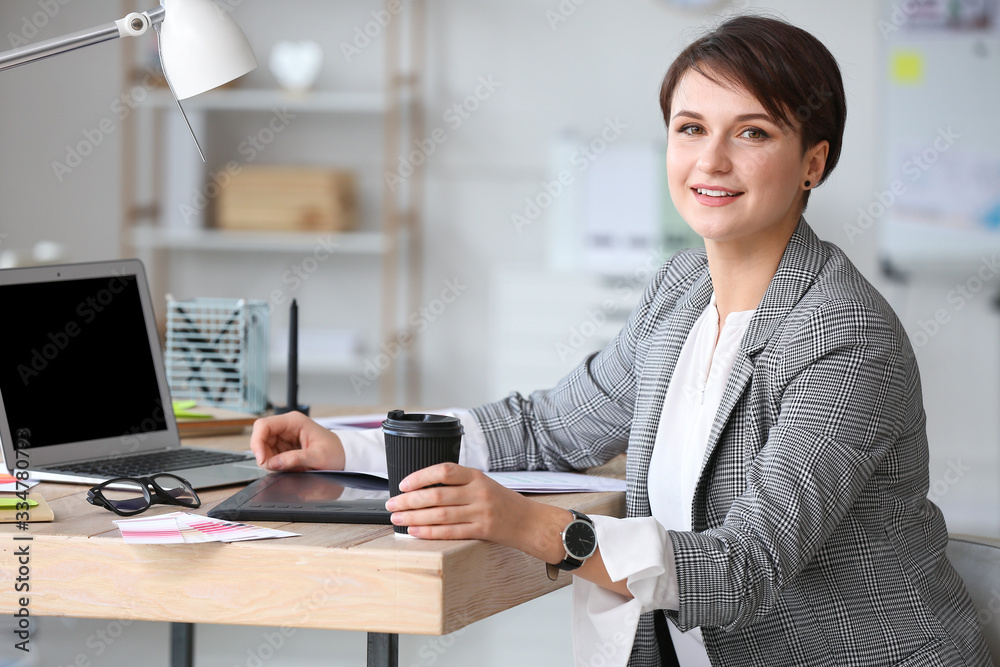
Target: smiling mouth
(717, 193)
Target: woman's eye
(753, 133)
(690, 129)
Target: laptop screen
(76, 363)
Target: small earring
(808, 183)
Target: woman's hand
(473, 506)
(292, 441)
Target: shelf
(352, 243)
(264, 99)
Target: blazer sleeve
(841, 386)
(584, 420)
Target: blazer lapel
(664, 351)
(800, 264)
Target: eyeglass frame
(95, 496)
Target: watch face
(580, 540)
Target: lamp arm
(133, 25)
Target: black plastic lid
(422, 425)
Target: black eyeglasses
(131, 495)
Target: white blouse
(639, 549)
(636, 549)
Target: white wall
(605, 61)
(46, 108)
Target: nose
(714, 156)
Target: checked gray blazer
(814, 542)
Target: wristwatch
(580, 541)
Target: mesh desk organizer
(217, 352)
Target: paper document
(352, 422)
(544, 481)
(187, 528)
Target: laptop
(83, 393)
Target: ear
(814, 162)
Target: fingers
(469, 505)
(293, 459)
(282, 442)
(262, 439)
(325, 449)
(460, 521)
(421, 498)
(267, 430)
(442, 473)
(464, 508)
(289, 423)
(276, 422)
(442, 484)
(442, 523)
(465, 531)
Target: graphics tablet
(318, 497)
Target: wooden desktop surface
(335, 576)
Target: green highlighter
(11, 503)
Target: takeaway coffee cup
(415, 441)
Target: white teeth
(715, 193)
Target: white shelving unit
(216, 240)
(332, 102)
(174, 252)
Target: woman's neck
(742, 269)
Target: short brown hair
(788, 70)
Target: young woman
(766, 396)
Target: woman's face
(735, 174)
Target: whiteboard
(938, 205)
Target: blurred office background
(534, 172)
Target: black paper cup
(416, 441)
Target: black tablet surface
(319, 497)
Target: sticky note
(12, 503)
(907, 67)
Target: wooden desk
(337, 576)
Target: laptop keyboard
(153, 462)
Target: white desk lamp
(201, 47)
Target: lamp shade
(201, 47)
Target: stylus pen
(293, 356)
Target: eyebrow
(740, 119)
